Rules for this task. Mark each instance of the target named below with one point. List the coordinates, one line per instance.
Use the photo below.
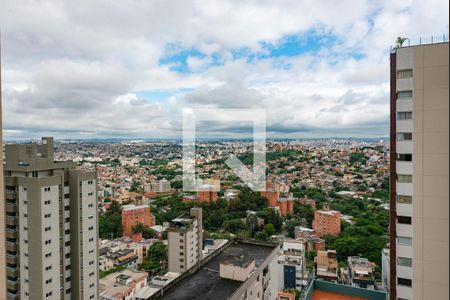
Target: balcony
(11, 296)
(11, 247)
(12, 272)
(11, 233)
(10, 195)
(12, 221)
(11, 207)
(11, 259)
(12, 285)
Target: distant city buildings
(327, 222)
(51, 225)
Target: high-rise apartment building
(2, 200)
(51, 226)
(419, 151)
(185, 237)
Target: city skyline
(321, 75)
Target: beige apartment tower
(2, 199)
(419, 212)
(51, 226)
(185, 237)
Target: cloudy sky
(82, 69)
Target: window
(404, 220)
(91, 205)
(405, 241)
(404, 157)
(48, 294)
(48, 281)
(47, 202)
(404, 178)
(404, 115)
(47, 242)
(47, 189)
(47, 216)
(91, 194)
(48, 254)
(404, 136)
(402, 199)
(407, 73)
(404, 94)
(90, 181)
(48, 268)
(48, 228)
(404, 281)
(404, 261)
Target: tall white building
(185, 237)
(419, 196)
(51, 226)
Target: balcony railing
(434, 39)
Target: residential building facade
(51, 226)
(419, 151)
(185, 237)
(327, 222)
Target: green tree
(270, 229)
(261, 235)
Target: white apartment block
(185, 237)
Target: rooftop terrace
(324, 290)
(206, 283)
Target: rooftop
(115, 285)
(206, 283)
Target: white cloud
(72, 68)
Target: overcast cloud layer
(81, 69)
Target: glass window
(404, 178)
(404, 115)
(404, 94)
(404, 281)
(404, 261)
(407, 73)
(405, 241)
(404, 220)
(404, 136)
(404, 199)
(404, 157)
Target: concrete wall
(431, 172)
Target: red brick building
(133, 215)
(327, 222)
(207, 193)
